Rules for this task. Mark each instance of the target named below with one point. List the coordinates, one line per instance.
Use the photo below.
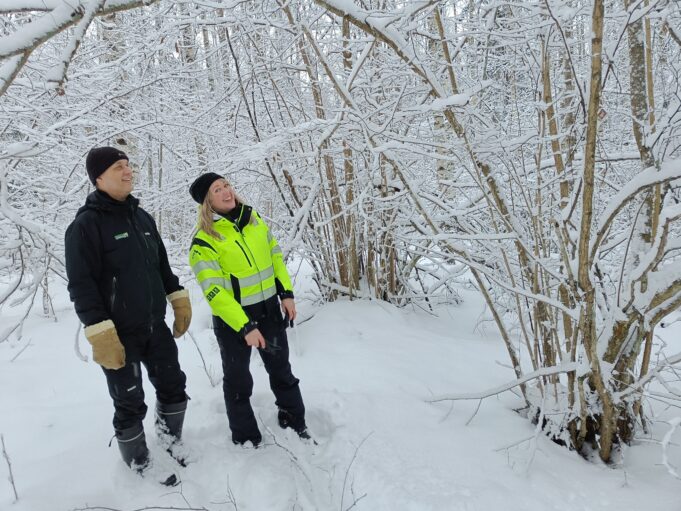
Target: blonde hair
(206, 220)
(207, 215)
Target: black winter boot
(133, 446)
(256, 441)
(287, 420)
(169, 421)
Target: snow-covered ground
(367, 370)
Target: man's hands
(107, 349)
(182, 307)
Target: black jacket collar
(239, 216)
(101, 201)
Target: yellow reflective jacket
(244, 267)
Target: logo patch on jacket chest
(120, 236)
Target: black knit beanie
(199, 188)
(101, 158)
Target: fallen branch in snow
(354, 503)
(9, 465)
(477, 409)
(21, 351)
(514, 443)
(146, 508)
(347, 473)
(544, 371)
(674, 423)
(213, 382)
(230, 496)
(293, 457)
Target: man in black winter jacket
(119, 280)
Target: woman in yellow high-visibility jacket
(240, 268)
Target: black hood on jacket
(102, 201)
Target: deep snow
(367, 370)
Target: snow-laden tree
(561, 199)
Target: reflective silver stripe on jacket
(199, 266)
(276, 250)
(212, 281)
(256, 279)
(259, 297)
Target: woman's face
(221, 196)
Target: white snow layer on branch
(544, 371)
(58, 72)
(61, 16)
(380, 24)
(648, 258)
(15, 6)
(36, 32)
(9, 69)
(670, 170)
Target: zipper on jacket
(144, 248)
(113, 293)
(245, 255)
(243, 238)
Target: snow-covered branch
(544, 371)
(60, 15)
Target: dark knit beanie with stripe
(101, 158)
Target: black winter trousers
(156, 349)
(238, 383)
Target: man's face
(116, 181)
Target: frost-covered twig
(347, 473)
(9, 466)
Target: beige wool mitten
(107, 349)
(182, 307)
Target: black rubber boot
(169, 421)
(287, 420)
(133, 446)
